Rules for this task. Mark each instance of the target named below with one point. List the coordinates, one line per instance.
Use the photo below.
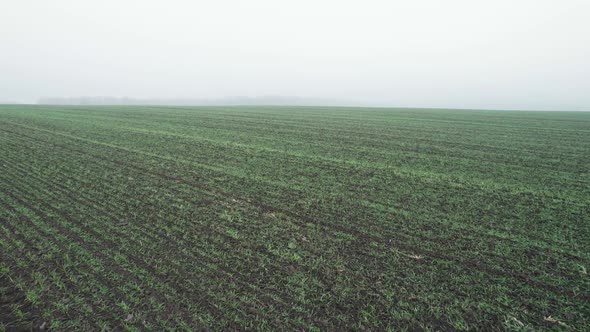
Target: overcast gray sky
(505, 54)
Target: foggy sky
(501, 54)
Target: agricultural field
(293, 218)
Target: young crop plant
(293, 218)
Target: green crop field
(293, 218)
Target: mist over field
(526, 54)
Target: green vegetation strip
(272, 218)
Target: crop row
(256, 219)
